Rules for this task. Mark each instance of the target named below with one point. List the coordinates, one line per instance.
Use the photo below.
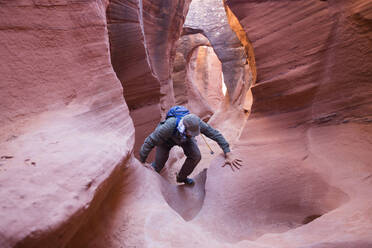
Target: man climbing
(180, 128)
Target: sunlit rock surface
(65, 128)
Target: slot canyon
(287, 82)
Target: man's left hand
(232, 161)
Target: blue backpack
(178, 112)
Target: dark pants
(191, 150)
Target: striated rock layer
(65, 128)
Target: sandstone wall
(324, 51)
(211, 18)
(311, 118)
(65, 127)
(66, 135)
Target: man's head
(191, 123)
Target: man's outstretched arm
(221, 141)
(215, 135)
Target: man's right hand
(232, 161)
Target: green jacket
(164, 133)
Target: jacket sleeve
(162, 132)
(214, 135)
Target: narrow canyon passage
(288, 84)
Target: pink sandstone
(68, 175)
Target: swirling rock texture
(67, 175)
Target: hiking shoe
(187, 181)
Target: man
(181, 131)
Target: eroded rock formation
(311, 111)
(67, 177)
(211, 18)
(197, 76)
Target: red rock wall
(303, 57)
(310, 120)
(128, 54)
(65, 127)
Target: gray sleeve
(162, 132)
(214, 135)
